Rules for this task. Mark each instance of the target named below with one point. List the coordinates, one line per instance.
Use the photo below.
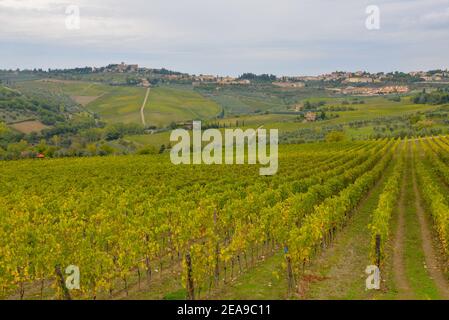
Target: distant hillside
(121, 104)
(16, 107)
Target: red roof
(40, 156)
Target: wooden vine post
(190, 287)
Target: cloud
(205, 34)
(30, 4)
(436, 19)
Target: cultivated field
(140, 227)
(29, 126)
(122, 103)
(376, 111)
(166, 105)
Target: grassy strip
(420, 282)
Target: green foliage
(121, 213)
(310, 105)
(119, 130)
(318, 228)
(335, 136)
(380, 224)
(12, 102)
(431, 191)
(15, 149)
(258, 78)
(440, 96)
(147, 150)
(106, 149)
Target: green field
(373, 109)
(122, 104)
(70, 88)
(155, 140)
(240, 100)
(166, 105)
(111, 103)
(244, 107)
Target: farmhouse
(122, 67)
(144, 83)
(206, 78)
(310, 116)
(230, 81)
(185, 125)
(359, 80)
(375, 91)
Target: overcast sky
(227, 37)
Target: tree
(55, 140)
(307, 105)
(221, 114)
(106, 150)
(147, 150)
(92, 149)
(172, 125)
(92, 134)
(113, 134)
(42, 146)
(335, 136)
(15, 149)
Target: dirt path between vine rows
(339, 271)
(431, 261)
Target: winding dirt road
(142, 115)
